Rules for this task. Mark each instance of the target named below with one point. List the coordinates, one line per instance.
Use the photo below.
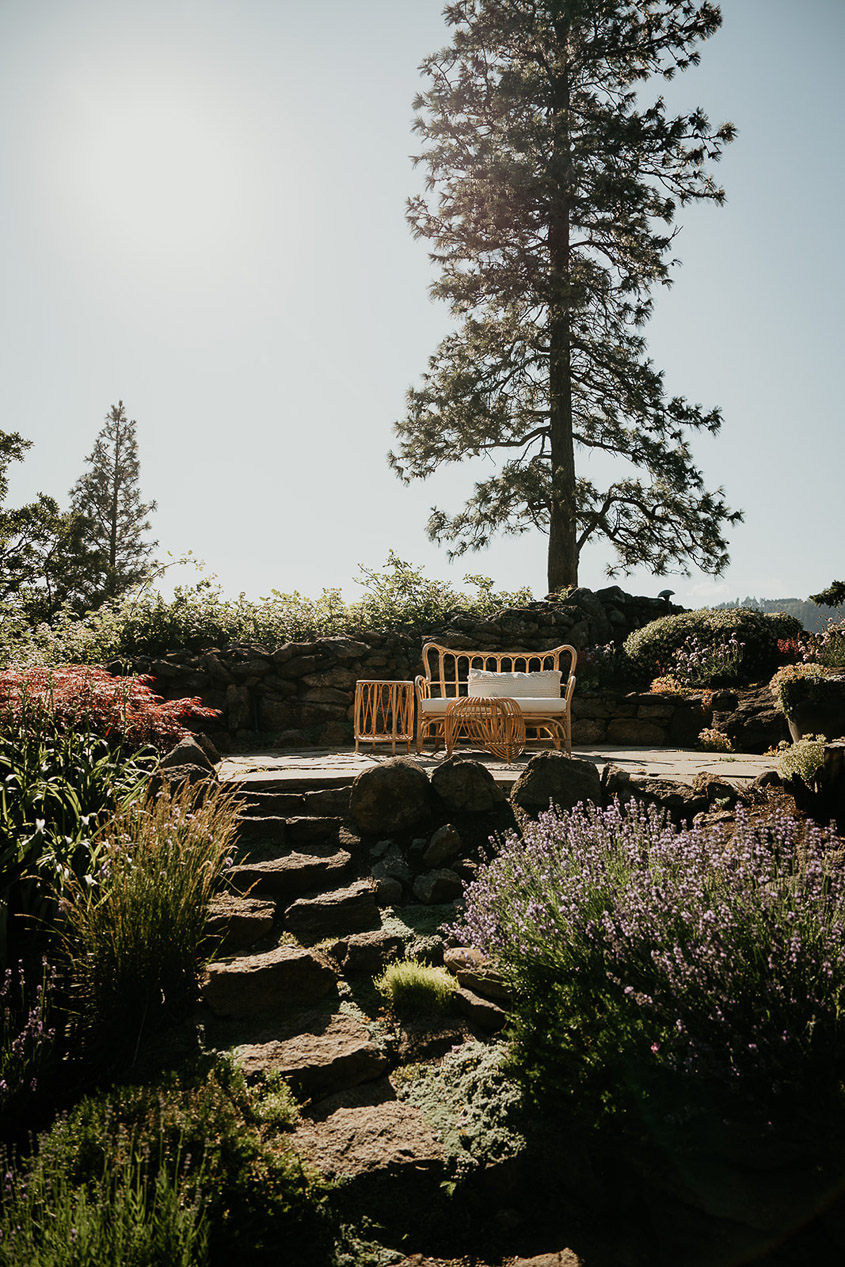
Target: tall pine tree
(109, 498)
(550, 202)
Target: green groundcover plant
(193, 1170)
(667, 976)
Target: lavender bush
(698, 663)
(667, 970)
(26, 1037)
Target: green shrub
(132, 933)
(805, 758)
(672, 979)
(399, 596)
(203, 1155)
(652, 650)
(411, 987)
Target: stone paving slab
(332, 766)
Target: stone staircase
(306, 927)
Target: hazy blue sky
(201, 213)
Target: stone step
(277, 981)
(325, 1055)
(306, 830)
(332, 914)
(236, 922)
(291, 875)
(381, 1150)
(282, 804)
(266, 827)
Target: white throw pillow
(514, 685)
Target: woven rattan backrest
(448, 668)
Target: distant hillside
(812, 617)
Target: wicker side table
(384, 712)
(497, 724)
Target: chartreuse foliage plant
(193, 1170)
(410, 987)
(133, 931)
(671, 978)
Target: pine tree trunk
(563, 550)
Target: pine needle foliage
(550, 202)
(108, 496)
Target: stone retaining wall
(301, 693)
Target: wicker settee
(535, 680)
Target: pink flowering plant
(671, 976)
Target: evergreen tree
(108, 497)
(42, 554)
(550, 202)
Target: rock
(332, 802)
(551, 778)
(716, 790)
(486, 982)
(615, 783)
(444, 845)
(261, 827)
(237, 922)
(306, 830)
(207, 746)
(393, 866)
(375, 1135)
(466, 787)
(456, 957)
(365, 954)
(286, 977)
(329, 1055)
(563, 1258)
(344, 910)
(678, 799)
(638, 734)
(290, 876)
(482, 1012)
(392, 796)
(434, 887)
(389, 891)
(176, 774)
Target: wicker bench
(535, 681)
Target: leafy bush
(197, 1163)
(56, 787)
(133, 931)
(712, 740)
(652, 650)
(805, 758)
(409, 986)
(397, 597)
(685, 975)
(795, 684)
(78, 697)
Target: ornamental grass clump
(671, 976)
(411, 987)
(133, 932)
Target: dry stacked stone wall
(301, 693)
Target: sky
(202, 215)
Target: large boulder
(551, 778)
(393, 796)
(466, 787)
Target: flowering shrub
(26, 1037)
(805, 758)
(666, 684)
(794, 684)
(712, 740)
(651, 649)
(77, 696)
(601, 666)
(656, 969)
(697, 663)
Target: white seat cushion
(536, 704)
(514, 685)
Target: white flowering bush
(668, 972)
